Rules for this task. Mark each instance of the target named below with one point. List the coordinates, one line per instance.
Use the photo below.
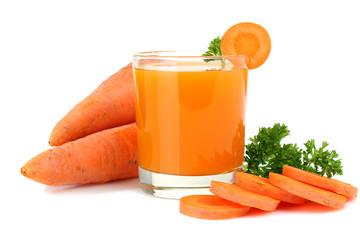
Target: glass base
(176, 187)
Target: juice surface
(190, 122)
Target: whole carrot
(100, 157)
(109, 105)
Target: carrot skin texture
(211, 207)
(97, 158)
(317, 180)
(110, 105)
(241, 196)
(307, 191)
(261, 185)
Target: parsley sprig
(214, 49)
(265, 154)
(321, 161)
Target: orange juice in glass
(190, 116)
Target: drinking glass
(190, 117)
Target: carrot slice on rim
(261, 185)
(320, 181)
(211, 207)
(248, 39)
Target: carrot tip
(23, 171)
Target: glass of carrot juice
(190, 117)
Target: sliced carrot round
(241, 196)
(210, 207)
(248, 39)
(317, 180)
(307, 191)
(261, 185)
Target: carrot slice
(241, 196)
(307, 191)
(261, 185)
(211, 207)
(320, 181)
(249, 39)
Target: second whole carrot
(100, 157)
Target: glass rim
(180, 54)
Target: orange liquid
(190, 123)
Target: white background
(54, 53)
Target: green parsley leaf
(321, 161)
(265, 154)
(214, 49)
